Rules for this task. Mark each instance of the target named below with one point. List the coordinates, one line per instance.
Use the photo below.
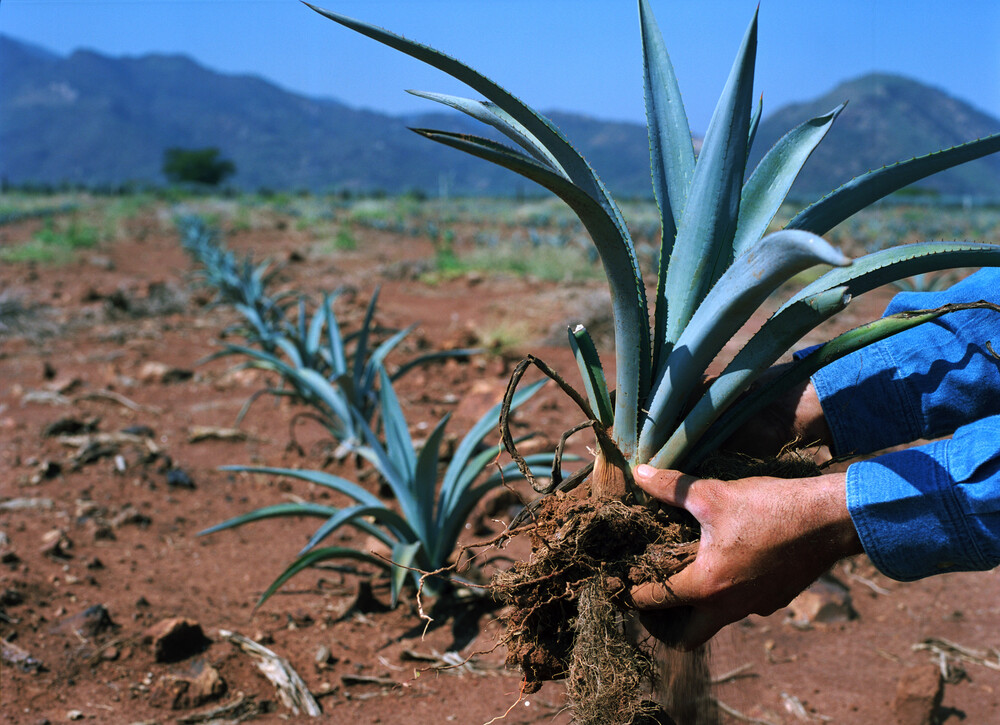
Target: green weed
(54, 243)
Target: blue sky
(580, 55)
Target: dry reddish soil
(98, 545)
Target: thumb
(671, 487)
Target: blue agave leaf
(864, 190)
(727, 307)
(704, 246)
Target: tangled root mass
(567, 615)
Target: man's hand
(763, 540)
(796, 415)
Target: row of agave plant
(342, 380)
(12, 216)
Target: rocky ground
(113, 610)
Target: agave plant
(240, 283)
(423, 534)
(716, 265)
(316, 366)
(716, 262)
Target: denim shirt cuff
(907, 514)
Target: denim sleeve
(932, 508)
(936, 507)
(922, 383)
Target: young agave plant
(423, 534)
(716, 262)
(240, 283)
(310, 354)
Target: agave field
(105, 401)
(296, 434)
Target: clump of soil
(729, 466)
(567, 615)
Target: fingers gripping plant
(716, 265)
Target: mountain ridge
(899, 118)
(92, 119)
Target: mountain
(887, 119)
(91, 119)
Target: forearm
(933, 508)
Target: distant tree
(197, 166)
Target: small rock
(91, 622)
(11, 597)
(199, 684)
(70, 426)
(324, 658)
(101, 531)
(826, 600)
(47, 470)
(918, 695)
(175, 639)
(57, 544)
(12, 655)
(157, 372)
(74, 715)
(179, 478)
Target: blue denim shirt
(935, 507)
